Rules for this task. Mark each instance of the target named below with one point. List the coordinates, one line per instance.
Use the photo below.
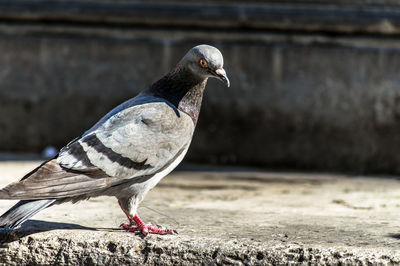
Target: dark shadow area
(196, 167)
(395, 236)
(4, 157)
(35, 226)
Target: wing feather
(131, 145)
(137, 141)
(53, 181)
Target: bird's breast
(144, 187)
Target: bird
(127, 152)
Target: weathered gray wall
(314, 85)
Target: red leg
(137, 225)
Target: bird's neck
(183, 89)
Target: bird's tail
(22, 211)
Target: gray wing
(51, 181)
(138, 141)
(133, 144)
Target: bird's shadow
(35, 226)
(395, 236)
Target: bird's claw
(128, 227)
(147, 228)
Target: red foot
(137, 225)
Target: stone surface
(223, 216)
(379, 17)
(314, 85)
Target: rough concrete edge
(64, 247)
(307, 16)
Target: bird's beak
(221, 74)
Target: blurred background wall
(314, 84)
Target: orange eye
(203, 63)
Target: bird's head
(206, 61)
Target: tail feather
(22, 211)
(47, 184)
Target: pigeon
(127, 152)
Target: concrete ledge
(374, 17)
(223, 217)
(120, 248)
